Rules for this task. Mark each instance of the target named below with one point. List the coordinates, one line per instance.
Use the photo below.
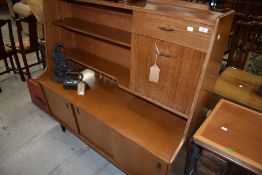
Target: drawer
(172, 30)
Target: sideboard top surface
(161, 131)
(183, 10)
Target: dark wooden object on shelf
(123, 110)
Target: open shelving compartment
(97, 30)
(98, 64)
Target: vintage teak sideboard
(137, 124)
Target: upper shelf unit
(107, 33)
(101, 65)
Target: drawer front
(172, 30)
(61, 109)
(135, 159)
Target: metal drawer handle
(164, 54)
(166, 28)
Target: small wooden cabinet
(138, 125)
(228, 141)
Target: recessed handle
(77, 110)
(158, 166)
(67, 105)
(164, 54)
(166, 28)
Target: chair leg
(38, 57)
(0, 90)
(40, 60)
(26, 65)
(12, 64)
(6, 65)
(18, 65)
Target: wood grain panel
(241, 87)
(51, 31)
(99, 64)
(108, 51)
(179, 73)
(171, 30)
(135, 159)
(66, 37)
(108, 16)
(94, 131)
(180, 9)
(63, 9)
(61, 109)
(205, 97)
(241, 142)
(97, 30)
(149, 126)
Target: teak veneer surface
(97, 30)
(150, 25)
(242, 142)
(152, 127)
(182, 11)
(111, 69)
(179, 73)
(143, 137)
(241, 87)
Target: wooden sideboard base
(138, 125)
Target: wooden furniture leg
(10, 7)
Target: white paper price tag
(154, 73)
(81, 88)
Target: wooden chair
(29, 44)
(8, 52)
(246, 38)
(239, 17)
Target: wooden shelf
(156, 129)
(100, 31)
(99, 64)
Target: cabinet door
(61, 109)
(180, 69)
(135, 159)
(94, 131)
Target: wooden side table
(241, 87)
(234, 134)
